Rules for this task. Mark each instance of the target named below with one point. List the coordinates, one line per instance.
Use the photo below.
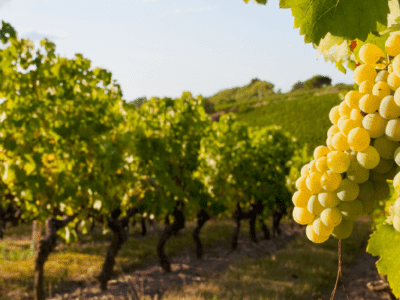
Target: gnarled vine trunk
(120, 230)
(169, 230)
(46, 245)
(144, 229)
(202, 218)
(237, 216)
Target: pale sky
(164, 47)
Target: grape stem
(339, 274)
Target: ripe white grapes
(349, 175)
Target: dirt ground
(152, 282)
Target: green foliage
(297, 86)
(139, 102)
(317, 81)
(208, 106)
(263, 2)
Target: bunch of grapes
(349, 175)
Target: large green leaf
(385, 242)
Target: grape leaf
(318, 17)
(385, 242)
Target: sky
(161, 48)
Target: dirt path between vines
(186, 268)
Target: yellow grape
(396, 65)
(390, 70)
(328, 199)
(301, 184)
(356, 115)
(321, 151)
(313, 237)
(330, 181)
(300, 198)
(388, 109)
(369, 103)
(331, 216)
(365, 88)
(396, 182)
(396, 222)
(382, 76)
(364, 72)
(347, 190)
(320, 228)
(348, 125)
(370, 53)
(334, 114)
(343, 230)
(344, 109)
(342, 119)
(333, 130)
(322, 164)
(381, 89)
(392, 45)
(358, 139)
(338, 161)
(305, 170)
(339, 141)
(385, 147)
(368, 158)
(375, 125)
(329, 143)
(397, 207)
(312, 167)
(353, 97)
(393, 81)
(302, 216)
(397, 156)
(396, 97)
(313, 205)
(313, 182)
(393, 130)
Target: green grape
(364, 72)
(351, 210)
(358, 139)
(369, 103)
(300, 198)
(321, 229)
(393, 130)
(313, 182)
(375, 125)
(388, 109)
(382, 190)
(370, 53)
(382, 76)
(385, 147)
(338, 161)
(369, 158)
(331, 216)
(397, 207)
(396, 182)
(314, 206)
(357, 173)
(302, 216)
(313, 237)
(367, 190)
(347, 190)
(328, 199)
(330, 181)
(344, 230)
(384, 166)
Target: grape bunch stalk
(348, 175)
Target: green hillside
(303, 113)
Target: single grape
(364, 72)
(370, 53)
(353, 97)
(369, 103)
(393, 81)
(368, 158)
(322, 164)
(396, 182)
(385, 147)
(396, 222)
(375, 125)
(334, 114)
(381, 89)
(320, 228)
(357, 173)
(384, 166)
(356, 115)
(300, 198)
(305, 170)
(313, 237)
(393, 130)
(381, 190)
(367, 190)
(339, 141)
(358, 139)
(344, 109)
(343, 230)
(397, 156)
(313, 182)
(338, 161)
(331, 216)
(330, 181)
(333, 130)
(365, 88)
(351, 210)
(302, 216)
(328, 199)
(321, 151)
(313, 205)
(348, 190)
(388, 109)
(382, 76)
(392, 45)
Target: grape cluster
(349, 175)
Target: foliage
(139, 102)
(317, 81)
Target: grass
(314, 264)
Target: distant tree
(317, 81)
(208, 106)
(139, 102)
(297, 86)
(254, 80)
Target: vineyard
(81, 170)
